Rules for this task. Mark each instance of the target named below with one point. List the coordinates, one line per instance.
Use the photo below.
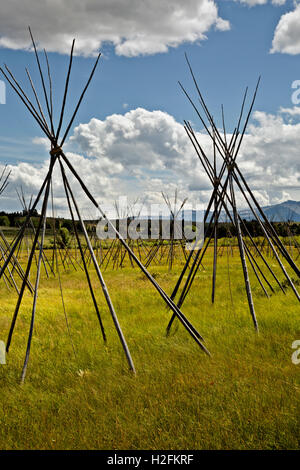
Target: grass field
(245, 397)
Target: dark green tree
(4, 221)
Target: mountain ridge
(287, 211)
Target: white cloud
(133, 27)
(287, 33)
(253, 3)
(137, 138)
(152, 146)
(30, 177)
(142, 152)
(278, 2)
(148, 145)
(295, 111)
(44, 141)
(270, 157)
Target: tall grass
(245, 397)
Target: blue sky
(225, 63)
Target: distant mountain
(283, 212)
(286, 211)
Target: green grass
(245, 397)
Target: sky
(128, 137)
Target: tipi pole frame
(20, 297)
(84, 262)
(193, 332)
(100, 277)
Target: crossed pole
(57, 155)
(223, 197)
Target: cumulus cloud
(151, 147)
(139, 153)
(133, 27)
(143, 152)
(270, 157)
(30, 178)
(143, 141)
(136, 139)
(287, 33)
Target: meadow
(79, 394)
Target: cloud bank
(287, 33)
(134, 27)
(144, 152)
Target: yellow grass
(245, 397)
